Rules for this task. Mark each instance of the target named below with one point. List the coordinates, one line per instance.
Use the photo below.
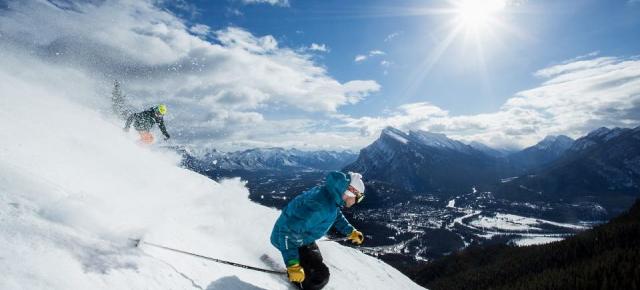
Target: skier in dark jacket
(144, 121)
(307, 218)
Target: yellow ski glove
(296, 273)
(356, 237)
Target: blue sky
(539, 34)
(332, 74)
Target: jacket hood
(336, 184)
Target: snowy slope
(74, 187)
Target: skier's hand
(356, 237)
(296, 273)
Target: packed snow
(530, 241)
(452, 203)
(511, 222)
(74, 187)
(508, 179)
(395, 135)
(438, 140)
(506, 222)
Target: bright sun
(477, 24)
(478, 14)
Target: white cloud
(574, 66)
(357, 90)
(577, 97)
(386, 65)
(406, 116)
(284, 3)
(391, 36)
(373, 53)
(318, 47)
(181, 6)
(238, 38)
(234, 12)
(213, 89)
(200, 30)
(360, 58)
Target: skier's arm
(342, 225)
(163, 128)
(129, 121)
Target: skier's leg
(316, 272)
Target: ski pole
(140, 242)
(334, 240)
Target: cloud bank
(216, 83)
(232, 89)
(574, 98)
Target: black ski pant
(315, 271)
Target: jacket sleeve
(162, 127)
(129, 121)
(342, 225)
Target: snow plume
(74, 188)
(216, 83)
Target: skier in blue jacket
(307, 218)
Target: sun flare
(478, 14)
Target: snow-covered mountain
(544, 152)
(274, 159)
(74, 188)
(603, 166)
(439, 140)
(597, 137)
(425, 162)
(489, 150)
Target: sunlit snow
(74, 187)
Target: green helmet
(161, 109)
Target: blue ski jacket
(310, 215)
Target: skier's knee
(321, 277)
(323, 273)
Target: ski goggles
(353, 192)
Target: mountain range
(546, 151)
(421, 161)
(603, 166)
(278, 159)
